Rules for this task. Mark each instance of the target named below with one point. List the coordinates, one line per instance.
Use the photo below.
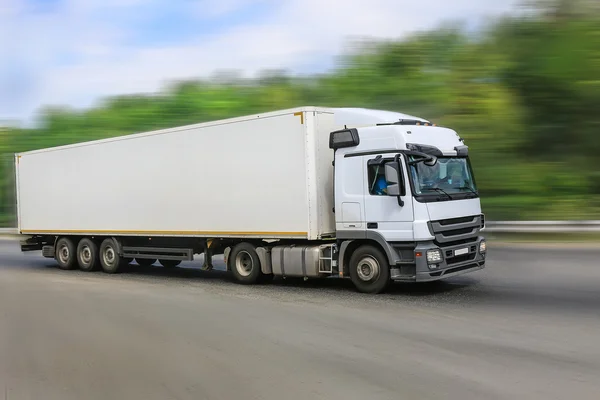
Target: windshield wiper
(440, 190)
(469, 189)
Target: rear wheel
(245, 264)
(369, 270)
(109, 256)
(88, 256)
(169, 263)
(66, 253)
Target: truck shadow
(328, 284)
(191, 272)
(396, 288)
(457, 290)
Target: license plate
(460, 252)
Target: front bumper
(450, 265)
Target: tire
(88, 256)
(110, 260)
(169, 263)
(144, 262)
(66, 253)
(245, 264)
(369, 270)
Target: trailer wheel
(145, 262)
(88, 256)
(66, 253)
(369, 270)
(109, 256)
(169, 263)
(245, 264)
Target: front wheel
(369, 270)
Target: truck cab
(407, 187)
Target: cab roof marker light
(405, 122)
(462, 151)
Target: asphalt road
(526, 327)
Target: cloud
(78, 51)
(211, 9)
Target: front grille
(455, 231)
(454, 221)
(456, 242)
(449, 253)
(459, 259)
(452, 259)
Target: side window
(376, 175)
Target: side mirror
(431, 162)
(392, 176)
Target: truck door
(349, 196)
(383, 212)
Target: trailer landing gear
(208, 253)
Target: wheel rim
(109, 256)
(64, 255)
(368, 269)
(86, 254)
(244, 263)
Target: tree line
(524, 93)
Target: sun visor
(368, 117)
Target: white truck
(310, 192)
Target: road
(526, 327)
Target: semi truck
(374, 196)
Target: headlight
(482, 247)
(434, 256)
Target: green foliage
(524, 94)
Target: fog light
(482, 247)
(434, 256)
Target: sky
(75, 52)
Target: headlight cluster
(434, 256)
(482, 247)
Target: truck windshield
(450, 177)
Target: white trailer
(262, 189)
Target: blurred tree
(523, 93)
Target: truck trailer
(311, 192)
